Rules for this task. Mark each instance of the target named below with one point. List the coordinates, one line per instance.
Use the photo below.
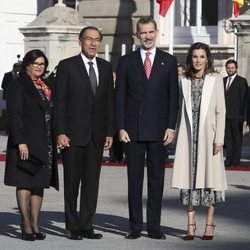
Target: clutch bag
(31, 165)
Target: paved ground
(232, 217)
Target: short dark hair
(145, 20)
(232, 61)
(181, 65)
(30, 57)
(209, 67)
(17, 67)
(81, 34)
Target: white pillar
(198, 16)
(123, 50)
(171, 29)
(107, 53)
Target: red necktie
(147, 65)
(229, 83)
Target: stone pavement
(232, 217)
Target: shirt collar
(86, 60)
(152, 52)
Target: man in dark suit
(236, 112)
(84, 124)
(9, 76)
(146, 112)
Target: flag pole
(235, 44)
(171, 28)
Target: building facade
(191, 21)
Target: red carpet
(167, 165)
(170, 165)
(105, 164)
(2, 157)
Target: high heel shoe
(40, 236)
(208, 237)
(27, 236)
(190, 236)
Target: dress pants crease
(81, 169)
(155, 175)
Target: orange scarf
(45, 88)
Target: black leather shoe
(235, 164)
(90, 234)
(228, 163)
(133, 235)
(40, 236)
(157, 236)
(74, 235)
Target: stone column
(242, 31)
(225, 29)
(55, 31)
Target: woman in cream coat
(199, 170)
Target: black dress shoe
(157, 236)
(235, 164)
(133, 235)
(40, 236)
(74, 235)
(228, 163)
(90, 234)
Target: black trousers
(116, 151)
(82, 167)
(233, 140)
(155, 159)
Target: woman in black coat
(29, 108)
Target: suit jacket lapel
(101, 72)
(137, 64)
(186, 90)
(158, 63)
(84, 74)
(205, 99)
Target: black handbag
(31, 165)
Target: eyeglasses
(37, 65)
(92, 39)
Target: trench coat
(210, 168)
(26, 123)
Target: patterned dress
(48, 112)
(198, 197)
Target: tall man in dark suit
(84, 124)
(146, 111)
(236, 112)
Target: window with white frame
(196, 20)
(186, 12)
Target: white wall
(13, 15)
